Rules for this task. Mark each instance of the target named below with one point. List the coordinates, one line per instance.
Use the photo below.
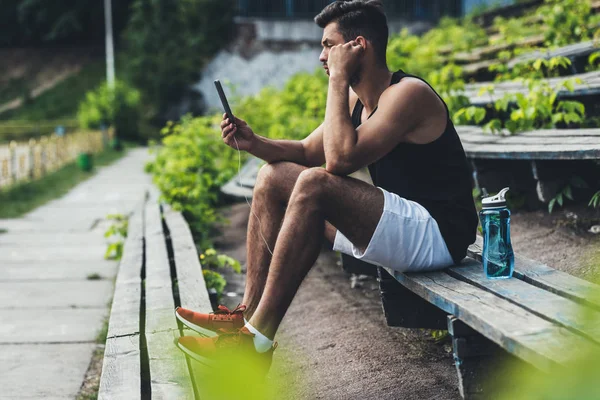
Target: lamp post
(110, 56)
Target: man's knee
(275, 178)
(311, 183)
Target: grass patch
(62, 101)
(22, 198)
(94, 277)
(13, 89)
(103, 334)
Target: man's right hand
(244, 135)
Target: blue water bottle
(497, 254)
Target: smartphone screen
(224, 101)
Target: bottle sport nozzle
(496, 201)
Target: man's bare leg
(352, 206)
(272, 191)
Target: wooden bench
(159, 270)
(533, 318)
(537, 317)
(545, 158)
(589, 86)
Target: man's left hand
(343, 59)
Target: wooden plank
(550, 306)
(242, 184)
(170, 378)
(521, 333)
(159, 295)
(125, 310)
(584, 142)
(571, 50)
(471, 131)
(192, 288)
(121, 373)
(531, 152)
(590, 86)
(231, 189)
(547, 278)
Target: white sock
(262, 343)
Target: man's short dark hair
(358, 18)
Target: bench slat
(547, 278)
(531, 152)
(541, 302)
(583, 141)
(192, 288)
(125, 310)
(121, 369)
(520, 332)
(169, 375)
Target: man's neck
(373, 83)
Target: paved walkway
(50, 313)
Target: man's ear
(361, 41)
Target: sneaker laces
(228, 338)
(224, 310)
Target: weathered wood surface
(590, 85)
(550, 306)
(520, 332)
(420, 314)
(121, 374)
(493, 49)
(242, 184)
(582, 49)
(125, 310)
(546, 144)
(547, 278)
(192, 288)
(170, 378)
(571, 50)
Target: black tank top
(435, 175)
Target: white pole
(110, 56)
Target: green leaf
(556, 118)
(569, 85)
(559, 199)
(567, 192)
(479, 115)
(551, 205)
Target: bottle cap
(496, 201)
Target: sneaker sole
(206, 361)
(194, 327)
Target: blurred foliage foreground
(192, 163)
(577, 380)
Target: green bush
(119, 107)
(567, 21)
(212, 262)
(190, 167)
(193, 162)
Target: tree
(168, 42)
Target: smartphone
(224, 101)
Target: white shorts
(407, 238)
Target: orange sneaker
(228, 349)
(208, 324)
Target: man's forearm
(279, 150)
(339, 138)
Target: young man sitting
(418, 216)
